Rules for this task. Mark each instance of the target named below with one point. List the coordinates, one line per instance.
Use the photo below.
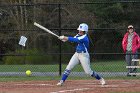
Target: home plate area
(70, 86)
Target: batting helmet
(83, 27)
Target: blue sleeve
(72, 39)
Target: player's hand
(64, 40)
(61, 37)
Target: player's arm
(124, 43)
(138, 39)
(71, 39)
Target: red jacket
(135, 42)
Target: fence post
(59, 20)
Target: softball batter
(81, 55)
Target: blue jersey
(82, 42)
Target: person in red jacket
(130, 45)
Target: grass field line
(110, 86)
(99, 85)
(36, 84)
(71, 90)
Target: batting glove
(64, 40)
(61, 37)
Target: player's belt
(81, 51)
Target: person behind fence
(81, 55)
(130, 45)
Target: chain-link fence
(45, 53)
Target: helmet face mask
(83, 27)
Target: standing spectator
(131, 44)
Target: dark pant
(129, 56)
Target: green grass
(99, 66)
(107, 66)
(33, 68)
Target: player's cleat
(102, 81)
(60, 83)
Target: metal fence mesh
(107, 23)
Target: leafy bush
(32, 56)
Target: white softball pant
(82, 58)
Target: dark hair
(84, 32)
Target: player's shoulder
(82, 37)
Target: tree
(115, 15)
